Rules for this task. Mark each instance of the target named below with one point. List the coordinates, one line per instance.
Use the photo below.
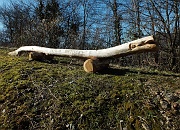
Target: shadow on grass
(115, 71)
(45, 61)
(112, 71)
(70, 63)
(124, 71)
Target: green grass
(60, 95)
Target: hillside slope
(60, 95)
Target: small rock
(175, 106)
(3, 111)
(164, 104)
(177, 91)
(171, 98)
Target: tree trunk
(117, 28)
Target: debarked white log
(140, 45)
(95, 59)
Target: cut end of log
(94, 65)
(88, 65)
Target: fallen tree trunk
(140, 45)
(145, 44)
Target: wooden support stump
(95, 65)
(39, 56)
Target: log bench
(95, 60)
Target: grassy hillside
(60, 95)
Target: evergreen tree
(49, 14)
(40, 10)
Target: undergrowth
(60, 95)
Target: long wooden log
(145, 44)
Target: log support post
(40, 56)
(95, 65)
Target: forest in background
(96, 24)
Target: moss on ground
(60, 95)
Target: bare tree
(167, 26)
